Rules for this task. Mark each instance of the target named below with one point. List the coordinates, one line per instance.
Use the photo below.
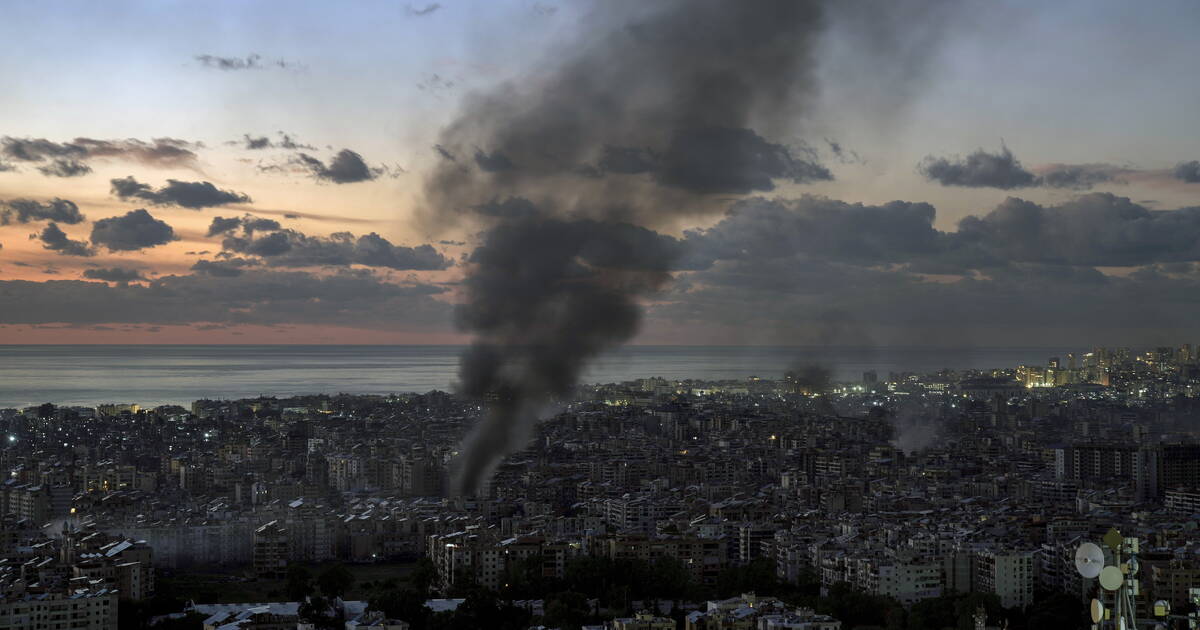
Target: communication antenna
(1089, 560)
(1117, 577)
(1162, 610)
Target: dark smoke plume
(808, 379)
(671, 108)
(544, 296)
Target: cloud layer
(28, 210)
(133, 231)
(289, 248)
(70, 159)
(194, 195)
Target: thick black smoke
(808, 378)
(671, 108)
(544, 296)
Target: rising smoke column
(673, 107)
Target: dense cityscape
(949, 499)
(599, 315)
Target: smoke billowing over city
(661, 114)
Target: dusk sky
(980, 173)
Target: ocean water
(163, 374)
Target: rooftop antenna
(1118, 578)
(1162, 611)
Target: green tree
(316, 610)
(566, 610)
(405, 604)
(299, 583)
(423, 575)
(335, 581)
(1058, 610)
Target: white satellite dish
(1111, 578)
(1097, 611)
(1089, 560)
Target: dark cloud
(1003, 170)
(249, 62)
(132, 231)
(978, 170)
(221, 225)
(842, 154)
(1021, 273)
(428, 9)
(226, 267)
(28, 210)
(1081, 176)
(1188, 172)
(262, 142)
(194, 195)
(1095, 229)
(816, 227)
(781, 301)
(262, 297)
(54, 239)
(347, 167)
(435, 83)
(289, 248)
(64, 168)
(38, 149)
(113, 274)
(733, 160)
(285, 141)
(271, 245)
(716, 160)
(66, 159)
(248, 223)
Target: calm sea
(155, 375)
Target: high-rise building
(88, 610)
(1009, 575)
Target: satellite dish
(1111, 578)
(1097, 611)
(1089, 560)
